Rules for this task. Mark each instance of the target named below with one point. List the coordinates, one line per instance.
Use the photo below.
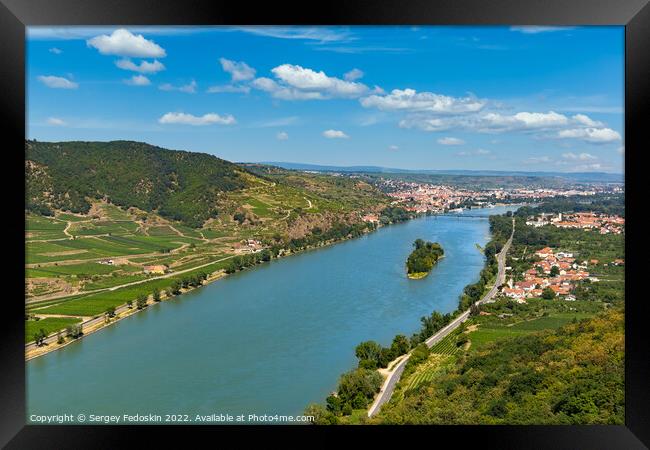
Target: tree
(333, 404)
(548, 294)
(368, 350)
(74, 331)
(156, 294)
(110, 312)
(141, 301)
(400, 345)
(129, 304)
(320, 415)
(176, 287)
(555, 271)
(359, 381)
(39, 337)
(59, 339)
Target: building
(157, 269)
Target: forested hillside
(178, 185)
(573, 375)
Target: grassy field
(72, 269)
(49, 325)
(489, 331)
(95, 304)
(41, 228)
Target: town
(441, 198)
(602, 223)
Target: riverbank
(124, 310)
(481, 292)
(392, 377)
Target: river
(268, 340)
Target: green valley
(107, 222)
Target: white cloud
(284, 92)
(124, 43)
(138, 80)
(429, 124)
(300, 83)
(588, 167)
(309, 80)
(393, 147)
(335, 134)
(411, 101)
(494, 122)
(352, 75)
(56, 121)
(535, 29)
(450, 141)
(321, 34)
(621, 149)
(56, 51)
(189, 119)
(57, 82)
(282, 136)
(523, 120)
(187, 88)
(579, 157)
(586, 120)
(144, 67)
(229, 88)
(239, 71)
(596, 135)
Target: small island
(422, 258)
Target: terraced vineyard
(447, 346)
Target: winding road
(394, 375)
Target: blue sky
(501, 98)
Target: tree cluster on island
(422, 258)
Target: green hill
(178, 185)
(572, 375)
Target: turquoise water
(265, 341)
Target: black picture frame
(15, 15)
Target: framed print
(357, 217)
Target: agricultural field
(49, 325)
(427, 371)
(43, 228)
(447, 346)
(508, 319)
(96, 303)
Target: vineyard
(427, 371)
(447, 346)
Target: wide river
(268, 340)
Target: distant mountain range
(602, 177)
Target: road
(393, 377)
